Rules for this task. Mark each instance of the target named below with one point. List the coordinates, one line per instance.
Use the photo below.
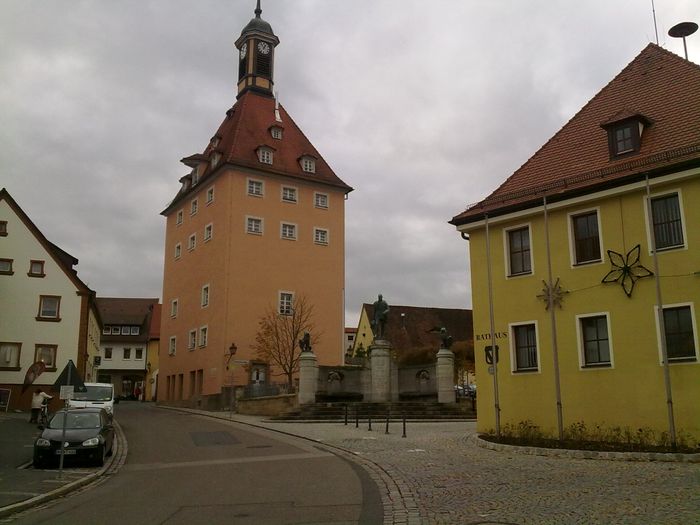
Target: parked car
(89, 437)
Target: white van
(98, 395)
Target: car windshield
(76, 420)
(94, 393)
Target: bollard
(387, 421)
(404, 426)
(357, 417)
(346, 415)
(369, 418)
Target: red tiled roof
(247, 127)
(125, 310)
(659, 85)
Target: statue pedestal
(380, 362)
(308, 378)
(445, 376)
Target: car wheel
(38, 463)
(101, 454)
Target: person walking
(37, 401)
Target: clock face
(244, 50)
(264, 48)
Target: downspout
(496, 404)
(553, 323)
(660, 318)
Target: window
(106, 330)
(254, 226)
(205, 296)
(667, 221)
(9, 355)
(194, 206)
(116, 330)
(173, 308)
(680, 336)
(179, 216)
(255, 188)
(594, 340)
(138, 353)
(36, 269)
(320, 236)
(192, 242)
(623, 141)
(210, 195)
(49, 308)
(285, 303)
(289, 194)
(525, 347)
(3, 228)
(215, 158)
(203, 331)
(208, 232)
(192, 339)
(6, 267)
(586, 239)
(126, 330)
(195, 177)
(108, 353)
(172, 345)
(135, 330)
(289, 231)
(265, 155)
(276, 132)
(178, 250)
(46, 354)
(519, 262)
(624, 136)
(308, 164)
(321, 200)
(127, 353)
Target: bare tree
(277, 340)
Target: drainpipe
(660, 317)
(496, 404)
(553, 322)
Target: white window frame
(288, 226)
(512, 343)
(107, 330)
(191, 340)
(294, 191)
(276, 132)
(210, 195)
(126, 353)
(116, 330)
(11, 354)
(194, 206)
(582, 350)
(572, 238)
(317, 196)
(252, 185)
(282, 307)
(319, 242)
(126, 330)
(203, 336)
(179, 217)
(208, 232)
(192, 242)
(178, 250)
(506, 251)
(135, 330)
(254, 220)
(682, 361)
(205, 296)
(308, 164)
(173, 308)
(649, 222)
(266, 156)
(111, 353)
(172, 345)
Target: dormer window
(308, 164)
(276, 132)
(265, 155)
(215, 158)
(214, 142)
(195, 177)
(625, 134)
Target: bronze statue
(381, 313)
(305, 342)
(445, 338)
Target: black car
(89, 437)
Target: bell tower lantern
(256, 53)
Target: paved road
(186, 469)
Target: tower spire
(258, 11)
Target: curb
(399, 502)
(118, 457)
(586, 454)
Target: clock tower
(256, 48)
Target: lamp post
(231, 352)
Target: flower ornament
(626, 270)
(552, 295)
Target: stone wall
(267, 406)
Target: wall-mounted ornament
(626, 269)
(553, 295)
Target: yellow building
(257, 224)
(573, 283)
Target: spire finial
(258, 11)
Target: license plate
(66, 452)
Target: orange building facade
(257, 224)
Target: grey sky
(421, 106)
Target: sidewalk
(22, 487)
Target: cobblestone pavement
(437, 475)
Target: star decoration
(553, 295)
(626, 270)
